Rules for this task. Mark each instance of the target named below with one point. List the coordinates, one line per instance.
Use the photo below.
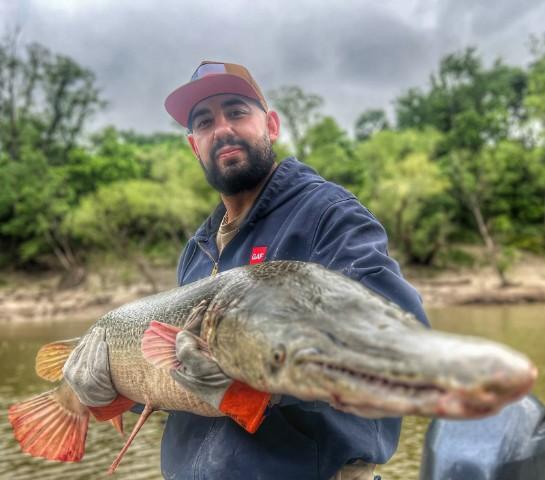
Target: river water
(521, 327)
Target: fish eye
(279, 355)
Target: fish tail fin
(159, 345)
(52, 425)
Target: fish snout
(499, 379)
(514, 381)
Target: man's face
(232, 138)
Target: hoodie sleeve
(349, 239)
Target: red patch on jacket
(258, 255)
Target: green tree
(410, 202)
(45, 102)
(497, 188)
(174, 166)
(128, 217)
(299, 110)
(403, 185)
(472, 105)
(535, 98)
(36, 198)
(476, 109)
(331, 152)
(369, 123)
(389, 147)
(535, 103)
(282, 150)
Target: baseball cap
(212, 78)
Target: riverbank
(37, 297)
(481, 286)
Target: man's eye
(202, 123)
(236, 113)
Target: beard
(244, 175)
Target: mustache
(229, 141)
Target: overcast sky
(355, 54)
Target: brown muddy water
(521, 327)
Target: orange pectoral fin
(120, 405)
(159, 345)
(245, 405)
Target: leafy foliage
(369, 123)
(299, 110)
(407, 190)
(331, 151)
(472, 105)
(481, 113)
(465, 162)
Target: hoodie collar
(286, 181)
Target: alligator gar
(285, 328)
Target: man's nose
(222, 126)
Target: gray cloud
(356, 54)
(379, 50)
(487, 17)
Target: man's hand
(87, 371)
(200, 374)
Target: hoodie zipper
(215, 268)
(209, 255)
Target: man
(268, 212)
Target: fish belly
(135, 378)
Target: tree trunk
(144, 270)
(491, 247)
(74, 273)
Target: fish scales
(133, 376)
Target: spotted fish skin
(133, 376)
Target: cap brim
(180, 102)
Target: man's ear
(193, 144)
(273, 125)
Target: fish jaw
(463, 378)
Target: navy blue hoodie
(297, 216)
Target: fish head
(317, 335)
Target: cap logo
(258, 255)
(208, 69)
